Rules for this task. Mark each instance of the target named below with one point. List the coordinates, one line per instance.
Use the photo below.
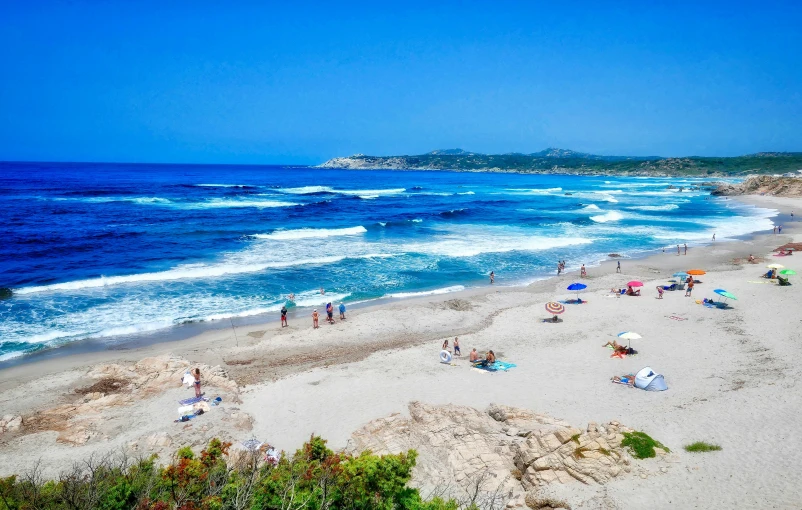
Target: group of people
(489, 359)
(778, 229)
(316, 316)
(560, 267)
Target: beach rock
(461, 448)
(159, 439)
(763, 185)
(10, 423)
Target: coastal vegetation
(641, 444)
(313, 478)
(560, 161)
(701, 446)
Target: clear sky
(300, 82)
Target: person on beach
(474, 355)
(329, 313)
(196, 375)
(322, 291)
(583, 272)
(779, 230)
(660, 291)
(751, 259)
(616, 346)
(689, 288)
(618, 267)
(284, 316)
(492, 277)
(315, 318)
(490, 357)
(714, 236)
(632, 292)
(677, 250)
(559, 268)
(457, 352)
(686, 248)
(291, 297)
(445, 344)
(775, 229)
(342, 311)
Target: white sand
(731, 374)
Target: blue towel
(193, 400)
(495, 367)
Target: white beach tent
(648, 380)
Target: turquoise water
(110, 251)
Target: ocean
(113, 251)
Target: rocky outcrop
(501, 452)
(77, 422)
(763, 185)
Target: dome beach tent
(647, 379)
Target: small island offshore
(562, 161)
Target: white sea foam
(444, 290)
(417, 220)
(666, 207)
(608, 216)
(534, 190)
(466, 193)
(470, 241)
(190, 271)
(306, 233)
(368, 197)
(305, 190)
(226, 185)
(591, 208)
(224, 203)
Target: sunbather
(632, 292)
(616, 346)
(624, 379)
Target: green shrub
(701, 446)
(641, 445)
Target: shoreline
(283, 384)
(99, 349)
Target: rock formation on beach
(503, 453)
(763, 185)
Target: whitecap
(444, 290)
(306, 233)
(608, 216)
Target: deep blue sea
(108, 251)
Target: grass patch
(604, 451)
(579, 453)
(107, 385)
(701, 446)
(575, 438)
(641, 445)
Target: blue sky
(263, 82)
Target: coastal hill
(763, 185)
(563, 161)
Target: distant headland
(563, 161)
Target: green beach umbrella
(724, 293)
(787, 272)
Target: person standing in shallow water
(582, 272)
(492, 277)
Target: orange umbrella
(695, 272)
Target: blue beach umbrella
(577, 287)
(680, 275)
(726, 295)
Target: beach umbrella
(635, 283)
(628, 336)
(554, 308)
(696, 272)
(680, 275)
(725, 294)
(576, 286)
(787, 272)
(775, 266)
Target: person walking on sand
(689, 288)
(583, 272)
(457, 352)
(686, 248)
(618, 267)
(196, 375)
(342, 311)
(492, 277)
(315, 318)
(284, 316)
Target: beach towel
(676, 318)
(619, 354)
(495, 367)
(193, 400)
(573, 302)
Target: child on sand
(660, 291)
(315, 318)
(456, 347)
(445, 345)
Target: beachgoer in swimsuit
(315, 317)
(632, 292)
(457, 352)
(627, 379)
(342, 311)
(291, 297)
(714, 236)
(445, 345)
(618, 267)
(559, 268)
(492, 277)
(660, 291)
(196, 374)
(751, 258)
(329, 313)
(689, 289)
(583, 272)
(284, 316)
(686, 248)
(616, 346)
(474, 355)
(677, 250)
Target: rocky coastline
(762, 185)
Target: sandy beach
(729, 372)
